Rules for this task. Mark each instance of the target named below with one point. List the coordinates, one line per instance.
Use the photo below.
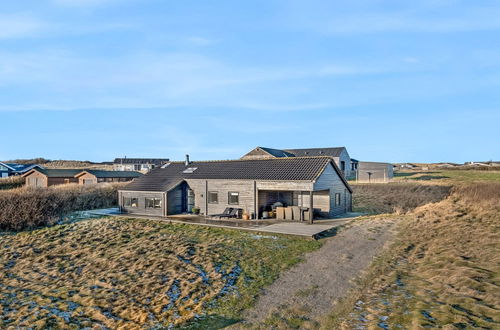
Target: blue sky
(390, 80)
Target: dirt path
(326, 274)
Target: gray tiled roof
(277, 152)
(332, 152)
(155, 161)
(280, 169)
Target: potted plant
(245, 216)
(195, 210)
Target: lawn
(131, 273)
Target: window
(137, 167)
(190, 170)
(153, 203)
(342, 165)
(337, 199)
(233, 198)
(130, 202)
(213, 197)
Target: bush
(11, 182)
(27, 208)
(395, 197)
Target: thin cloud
(20, 26)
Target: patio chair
(235, 213)
(224, 214)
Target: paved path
(302, 228)
(326, 274)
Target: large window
(337, 199)
(213, 197)
(130, 202)
(153, 203)
(233, 198)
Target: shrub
(27, 208)
(396, 197)
(11, 182)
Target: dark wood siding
(141, 208)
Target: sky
(395, 81)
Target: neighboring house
(406, 166)
(339, 155)
(250, 184)
(38, 177)
(354, 166)
(97, 176)
(374, 172)
(10, 169)
(138, 164)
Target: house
(10, 169)
(38, 177)
(143, 165)
(374, 172)
(354, 166)
(406, 166)
(253, 185)
(97, 176)
(339, 155)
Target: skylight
(190, 170)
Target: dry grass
(442, 272)
(27, 207)
(395, 197)
(135, 274)
(448, 175)
(11, 182)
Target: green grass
(447, 176)
(136, 273)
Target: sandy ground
(326, 275)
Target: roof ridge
(249, 160)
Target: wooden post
(120, 202)
(165, 212)
(206, 198)
(311, 210)
(255, 200)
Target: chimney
(187, 160)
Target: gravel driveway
(326, 274)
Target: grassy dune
(443, 270)
(447, 176)
(135, 274)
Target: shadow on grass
(327, 233)
(407, 174)
(209, 322)
(431, 177)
